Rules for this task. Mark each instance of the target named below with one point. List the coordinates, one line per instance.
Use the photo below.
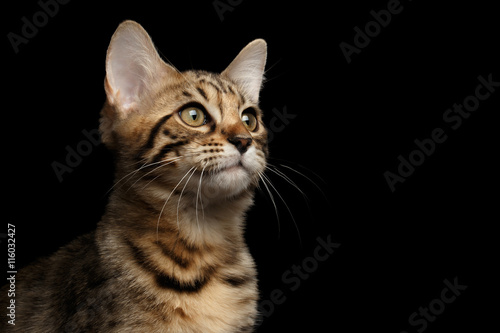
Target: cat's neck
(163, 212)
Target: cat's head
(189, 129)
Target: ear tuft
(247, 69)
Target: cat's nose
(241, 142)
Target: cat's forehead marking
(222, 96)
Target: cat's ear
(247, 69)
(133, 67)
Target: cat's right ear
(133, 68)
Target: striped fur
(169, 253)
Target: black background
(352, 121)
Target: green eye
(249, 120)
(193, 116)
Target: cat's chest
(188, 290)
(220, 306)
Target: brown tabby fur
(169, 253)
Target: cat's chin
(226, 182)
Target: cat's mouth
(225, 176)
(232, 167)
(229, 170)
(222, 179)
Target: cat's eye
(193, 116)
(249, 120)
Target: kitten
(169, 253)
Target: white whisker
(132, 173)
(182, 191)
(201, 201)
(168, 198)
(286, 178)
(167, 162)
(309, 179)
(272, 200)
(286, 205)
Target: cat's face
(200, 127)
(195, 132)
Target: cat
(169, 253)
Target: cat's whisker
(161, 166)
(309, 179)
(165, 163)
(286, 205)
(286, 178)
(130, 174)
(267, 79)
(144, 159)
(201, 201)
(272, 200)
(182, 191)
(166, 201)
(272, 66)
(152, 180)
(291, 182)
(146, 165)
(169, 162)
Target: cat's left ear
(247, 69)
